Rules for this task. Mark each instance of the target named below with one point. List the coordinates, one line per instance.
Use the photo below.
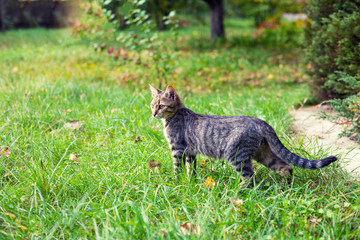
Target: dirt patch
(326, 134)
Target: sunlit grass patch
(62, 99)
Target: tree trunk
(2, 15)
(158, 16)
(216, 8)
(122, 22)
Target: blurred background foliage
(326, 32)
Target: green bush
(264, 10)
(285, 34)
(348, 114)
(333, 47)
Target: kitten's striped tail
(282, 152)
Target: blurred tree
(333, 47)
(158, 9)
(216, 8)
(2, 15)
(112, 9)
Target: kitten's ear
(154, 91)
(170, 93)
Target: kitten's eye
(161, 106)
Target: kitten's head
(165, 103)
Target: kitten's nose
(154, 113)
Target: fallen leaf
(270, 76)
(11, 215)
(5, 151)
(163, 232)
(189, 228)
(73, 157)
(125, 77)
(23, 227)
(205, 161)
(53, 131)
(237, 201)
(73, 125)
(154, 164)
(178, 70)
(125, 56)
(314, 220)
(138, 139)
(82, 96)
(209, 182)
(111, 50)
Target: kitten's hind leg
(270, 160)
(190, 163)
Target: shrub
(103, 23)
(348, 114)
(333, 46)
(284, 34)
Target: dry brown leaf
(127, 77)
(73, 157)
(178, 70)
(137, 139)
(73, 125)
(237, 201)
(164, 231)
(5, 151)
(209, 182)
(314, 220)
(154, 164)
(11, 215)
(23, 228)
(189, 229)
(206, 161)
(53, 131)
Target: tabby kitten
(237, 139)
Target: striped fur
(237, 139)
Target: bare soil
(326, 133)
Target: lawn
(59, 97)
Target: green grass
(49, 78)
